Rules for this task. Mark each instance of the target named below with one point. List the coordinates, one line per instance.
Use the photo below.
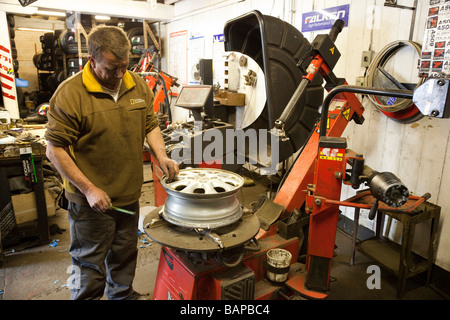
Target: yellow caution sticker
(331, 154)
(346, 114)
(330, 158)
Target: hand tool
(122, 210)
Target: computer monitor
(193, 97)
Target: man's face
(109, 70)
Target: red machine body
(323, 221)
(315, 176)
(312, 186)
(179, 277)
(187, 277)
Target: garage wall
(418, 153)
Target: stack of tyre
(58, 49)
(46, 60)
(12, 35)
(137, 40)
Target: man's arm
(97, 198)
(156, 143)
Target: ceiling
(162, 10)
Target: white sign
(7, 76)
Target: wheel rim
(203, 198)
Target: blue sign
(218, 38)
(324, 19)
(391, 101)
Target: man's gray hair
(111, 39)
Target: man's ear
(92, 61)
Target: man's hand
(169, 167)
(98, 199)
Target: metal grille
(241, 288)
(7, 220)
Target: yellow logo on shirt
(134, 101)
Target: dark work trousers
(104, 252)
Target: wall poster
(178, 57)
(435, 59)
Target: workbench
(10, 166)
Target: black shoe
(138, 296)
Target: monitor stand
(196, 113)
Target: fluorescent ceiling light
(34, 29)
(102, 18)
(51, 13)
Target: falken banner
(324, 18)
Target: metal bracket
(210, 235)
(432, 98)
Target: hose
(166, 95)
(380, 60)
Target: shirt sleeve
(63, 126)
(151, 118)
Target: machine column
(323, 222)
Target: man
(97, 123)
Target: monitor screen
(193, 96)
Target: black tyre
(11, 20)
(278, 47)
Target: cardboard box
(25, 206)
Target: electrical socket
(360, 81)
(367, 57)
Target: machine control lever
(373, 210)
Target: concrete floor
(40, 273)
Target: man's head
(109, 49)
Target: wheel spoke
(203, 198)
